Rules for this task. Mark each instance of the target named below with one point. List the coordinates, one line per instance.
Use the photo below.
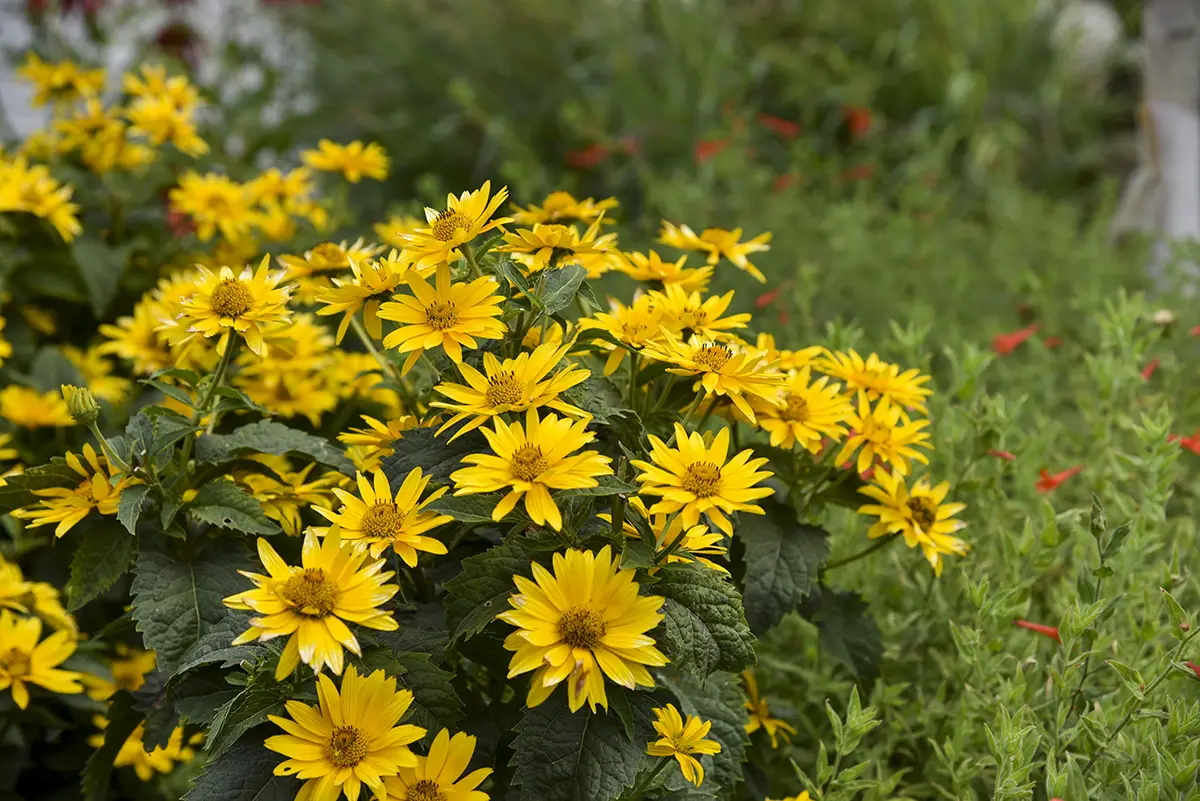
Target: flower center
(347, 746)
(702, 479)
(503, 389)
(329, 255)
(425, 790)
(311, 593)
(440, 315)
(448, 222)
(924, 512)
(712, 357)
(382, 521)
(14, 662)
(528, 463)
(580, 627)
(232, 298)
(796, 409)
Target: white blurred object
(1088, 35)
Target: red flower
(1047, 482)
(1195, 331)
(1005, 455)
(707, 148)
(590, 156)
(1192, 443)
(858, 120)
(785, 128)
(1149, 369)
(859, 173)
(1004, 344)
(1195, 668)
(630, 144)
(783, 182)
(766, 299)
(1046, 631)
(1051, 343)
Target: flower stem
(879, 544)
(107, 448)
(476, 272)
(385, 364)
(210, 392)
(644, 785)
(687, 417)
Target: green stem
(471, 263)
(1087, 660)
(635, 359)
(687, 417)
(660, 557)
(107, 448)
(644, 785)
(879, 544)
(210, 392)
(387, 365)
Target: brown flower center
(425, 790)
(329, 256)
(712, 357)
(382, 521)
(448, 222)
(702, 479)
(14, 662)
(311, 593)
(924, 512)
(232, 298)
(440, 315)
(347, 746)
(528, 463)
(503, 388)
(796, 409)
(580, 627)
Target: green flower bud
(81, 404)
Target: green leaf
(122, 720)
(704, 628)
(477, 594)
(101, 268)
(178, 600)
(435, 704)
(269, 436)
(467, 508)
(1179, 620)
(606, 485)
(561, 287)
(599, 397)
(130, 507)
(225, 504)
(244, 773)
(18, 490)
(51, 369)
(510, 272)
(103, 556)
(580, 756)
(243, 712)
(1130, 677)
(718, 699)
(170, 391)
(848, 633)
(437, 456)
(234, 400)
(152, 432)
(783, 562)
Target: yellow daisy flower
(695, 478)
(512, 385)
(580, 623)
(878, 432)
(128, 673)
(136, 338)
(287, 492)
(717, 242)
(224, 303)
(652, 269)
(289, 395)
(151, 80)
(311, 604)
(378, 519)
(66, 506)
(33, 597)
(803, 413)
(530, 462)
(681, 739)
(722, 369)
(61, 81)
(160, 759)
(5, 346)
(698, 542)
(28, 408)
(788, 359)
(688, 313)
(452, 316)
(374, 281)
(25, 661)
(439, 776)
(877, 378)
(160, 120)
(214, 202)
(536, 248)
(291, 190)
(353, 161)
(921, 514)
(635, 326)
(97, 373)
(379, 436)
(32, 189)
(310, 271)
(39, 319)
(760, 714)
(562, 207)
(392, 231)
(465, 217)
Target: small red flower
(859, 120)
(1050, 343)
(1048, 483)
(784, 181)
(859, 173)
(785, 128)
(1149, 369)
(766, 299)
(589, 156)
(1045, 631)
(1005, 455)
(1195, 331)
(707, 148)
(1195, 668)
(1191, 443)
(1004, 344)
(784, 317)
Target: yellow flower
(39, 319)
(379, 436)
(512, 385)
(920, 514)
(374, 281)
(530, 462)
(128, 673)
(717, 242)
(289, 395)
(579, 624)
(392, 231)
(311, 604)
(151, 81)
(438, 777)
(353, 161)
(5, 346)
(32, 189)
(804, 796)
(160, 759)
(695, 478)
(25, 661)
(722, 369)
(688, 313)
(214, 202)
(650, 268)
(310, 271)
(561, 245)
(284, 494)
(137, 338)
(32, 597)
(877, 378)
(97, 373)
(101, 138)
(879, 433)
(634, 326)
(465, 217)
(28, 408)
(349, 740)
(788, 359)
(802, 412)
(760, 714)
(160, 120)
(224, 303)
(451, 316)
(698, 542)
(61, 81)
(377, 518)
(290, 191)
(680, 739)
(562, 207)
(66, 506)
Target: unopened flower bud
(81, 404)
(1164, 317)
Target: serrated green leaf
(561, 287)
(599, 397)
(129, 508)
(225, 504)
(243, 712)
(122, 720)
(511, 273)
(783, 562)
(580, 756)
(104, 554)
(848, 633)
(269, 436)
(477, 594)
(101, 267)
(170, 391)
(437, 456)
(18, 490)
(234, 400)
(467, 508)
(704, 628)
(718, 699)
(606, 485)
(244, 773)
(177, 600)
(435, 704)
